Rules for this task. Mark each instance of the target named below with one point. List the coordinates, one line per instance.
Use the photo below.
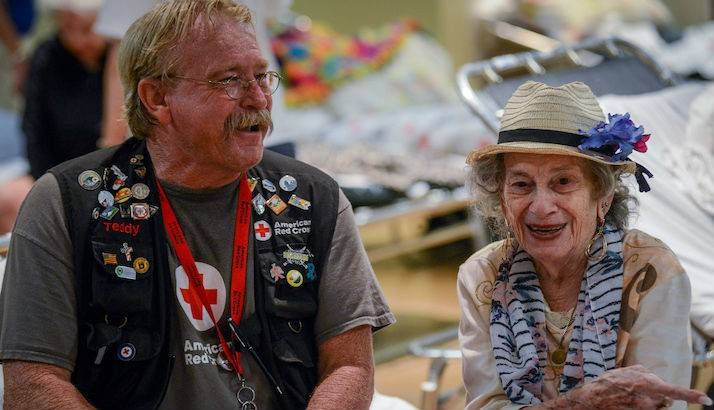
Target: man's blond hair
(149, 47)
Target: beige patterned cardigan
(654, 320)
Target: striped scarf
(518, 332)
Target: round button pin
(294, 278)
(106, 199)
(89, 180)
(140, 191)
(141, 265)
(126, 352)
(288, 183)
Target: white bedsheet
(681, 120)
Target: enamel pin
(269, 186)
(276, 204)
(259, 204)
(288, 183)
(298, 202)
(294, 278)
(140, 191)
(89, 180)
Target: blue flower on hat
(620, 133)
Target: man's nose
(253, 97)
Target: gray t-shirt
(38, 318)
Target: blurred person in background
(17, 18)
(63, 92)
(16, 21)
(62, 115)
(573, 310)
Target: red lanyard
(238, 267)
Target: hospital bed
(619, 70)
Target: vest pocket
(291, 305)
(122, 277)
(298, 367)
(291, 288)
(122, 293)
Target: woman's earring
(510, 239)
(509, 246)
(599, 235)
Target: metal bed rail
(431, 389)
(600, 62)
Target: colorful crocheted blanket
(319, 59)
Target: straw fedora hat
(540, 119)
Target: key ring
(246, 396)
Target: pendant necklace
(558, 356)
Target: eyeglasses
(235, 86)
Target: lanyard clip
(245, 345)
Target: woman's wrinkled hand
(632, 387)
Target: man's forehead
(220, 43)
(210, 28)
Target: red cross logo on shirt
(190, 295)
(262, 231)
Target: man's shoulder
(44, 192)
(91, 160)
(41, 218)
(285, 164)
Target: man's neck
(182, 170)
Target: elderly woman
(572, 310)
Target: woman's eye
(519, 185)
(564, 181)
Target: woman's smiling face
(549, 205)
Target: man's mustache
(246, 119)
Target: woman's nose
(543, 204)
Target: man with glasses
(188, 268)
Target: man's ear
(153, 95)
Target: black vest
(123, 288)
